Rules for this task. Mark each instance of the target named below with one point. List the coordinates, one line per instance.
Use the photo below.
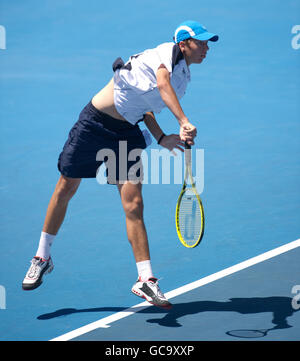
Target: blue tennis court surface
(216, 310)
(244, 99)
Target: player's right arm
(187, 130)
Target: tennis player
(144, 85)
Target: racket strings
(190, 218)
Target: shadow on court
(280, 307)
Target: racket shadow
(253, 333)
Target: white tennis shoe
(38, 269)
(150, 291)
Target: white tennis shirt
(135, 84)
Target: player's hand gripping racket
(189, 208)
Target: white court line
(104, 322)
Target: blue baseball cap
(193, 29)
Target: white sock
(144, 270)
(45, 244)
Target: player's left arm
(170, 141)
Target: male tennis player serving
(148, 82)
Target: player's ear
(182, 45)
(162, 66)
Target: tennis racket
(189, 209)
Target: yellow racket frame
(188, 173)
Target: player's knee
(134, 208)
(66, 188)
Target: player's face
(195, 51)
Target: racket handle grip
(187, 146)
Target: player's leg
(132, 201)
(77, 160)
(65, 189)
(42, 263)
(146, 285)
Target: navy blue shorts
(96, 132)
